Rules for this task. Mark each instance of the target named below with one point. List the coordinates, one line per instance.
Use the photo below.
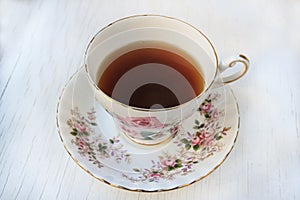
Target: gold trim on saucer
(139, 190)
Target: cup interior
(151, 32)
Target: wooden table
(42, 45)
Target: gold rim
(143, 109)
(140, 190)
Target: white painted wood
(42, 45)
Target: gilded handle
(231, 62)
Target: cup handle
(231, 62)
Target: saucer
(90, 136)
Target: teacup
(154, 126)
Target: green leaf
(197, 122)
(184, 141)
(111, 141)
(195, 162)
(207, 115)
(104, 147)
(187, 146)
(85, 133)
(101, 147)
(196, 127)
(199, 109)
(74, 129)
(136, 170)
(94, 124)
(73, 133)
(178, 165)
(177, 160)
(219, 137)
(196, 147)
(170, 168)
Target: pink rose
(144, 122)
(195, 140)
(155, 175)
(215, 114)
(82, 145)
(141, 122)
(205, 107)
(80, 127)
(168, 163)
(203, 135)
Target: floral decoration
(92, 145)
(144, 128)
(141, 122)
(191, 147)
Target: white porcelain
(90, 136)
(147, 126)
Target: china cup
(154, 126)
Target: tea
(151, 78)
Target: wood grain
(42, 45)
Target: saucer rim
(140, 190)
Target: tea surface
(151, 78)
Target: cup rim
(146, 109)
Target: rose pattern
(155, 175)
(146, 122)
(196, 141)
(205, 106)
(192, 148)
(80, 127)
(83, 147)
(144, 128)
(141, 122)
(94, 147)
(168, 163)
